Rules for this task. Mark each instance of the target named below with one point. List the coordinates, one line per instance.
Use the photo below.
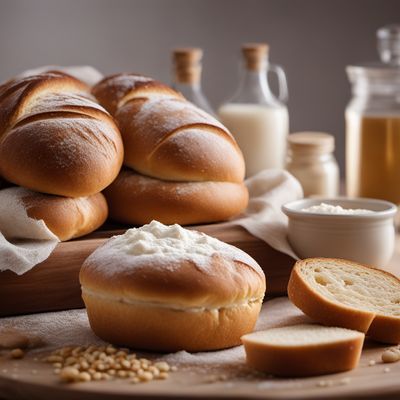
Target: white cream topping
(158, 246)
(324, 208)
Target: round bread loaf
(54, 138)
(66, 217)
(170, 143)
(166, 288)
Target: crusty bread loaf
(67, 217)
(303, 350)
(171, 142)
(54, 138)
(166, 288)
(137, 199)
(343, 293)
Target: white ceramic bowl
(365, 238)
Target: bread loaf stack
(181, 165)
(58, 142)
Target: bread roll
(303, 350)
(136, 199)
(169, 140)
(67, 218)
(343, 293)
(54, 138)
(166, 288)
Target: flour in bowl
(324, 208)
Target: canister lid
(389, 44)
(311, 142)
(388, 68)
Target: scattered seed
(17, 353)
(391, 355)
(96, 363)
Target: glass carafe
(373, 123)
(256, 117)
(187, 76)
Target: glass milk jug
(373, 123)
(258, 119)
(187, 76)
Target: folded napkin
(24, 241)
(263, 218)
(85, 73)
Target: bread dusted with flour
(171, 143)
(54, 138)
(141, 198)
(166, 288)
(343, 293)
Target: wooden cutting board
(54, 284)
(228, 378)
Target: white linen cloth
(24, 241)
(263, 218)
(85, 73)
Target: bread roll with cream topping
(165, 288)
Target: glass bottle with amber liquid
(373, 123)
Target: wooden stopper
(187, 64)
(255, 55)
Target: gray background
(312, 39)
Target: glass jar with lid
(310, 159)
(373, 123)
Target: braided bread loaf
(183, 165)
(54, 138)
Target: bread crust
(136, 199)
(185, 166)
(384, 328)
(174, 300)
(168, 330)
(305, 360)
(109, 272)
(67, 218)
(54, 138)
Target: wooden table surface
(211, 375)
(193, 382)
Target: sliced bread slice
(343, 293)
(303, 350)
